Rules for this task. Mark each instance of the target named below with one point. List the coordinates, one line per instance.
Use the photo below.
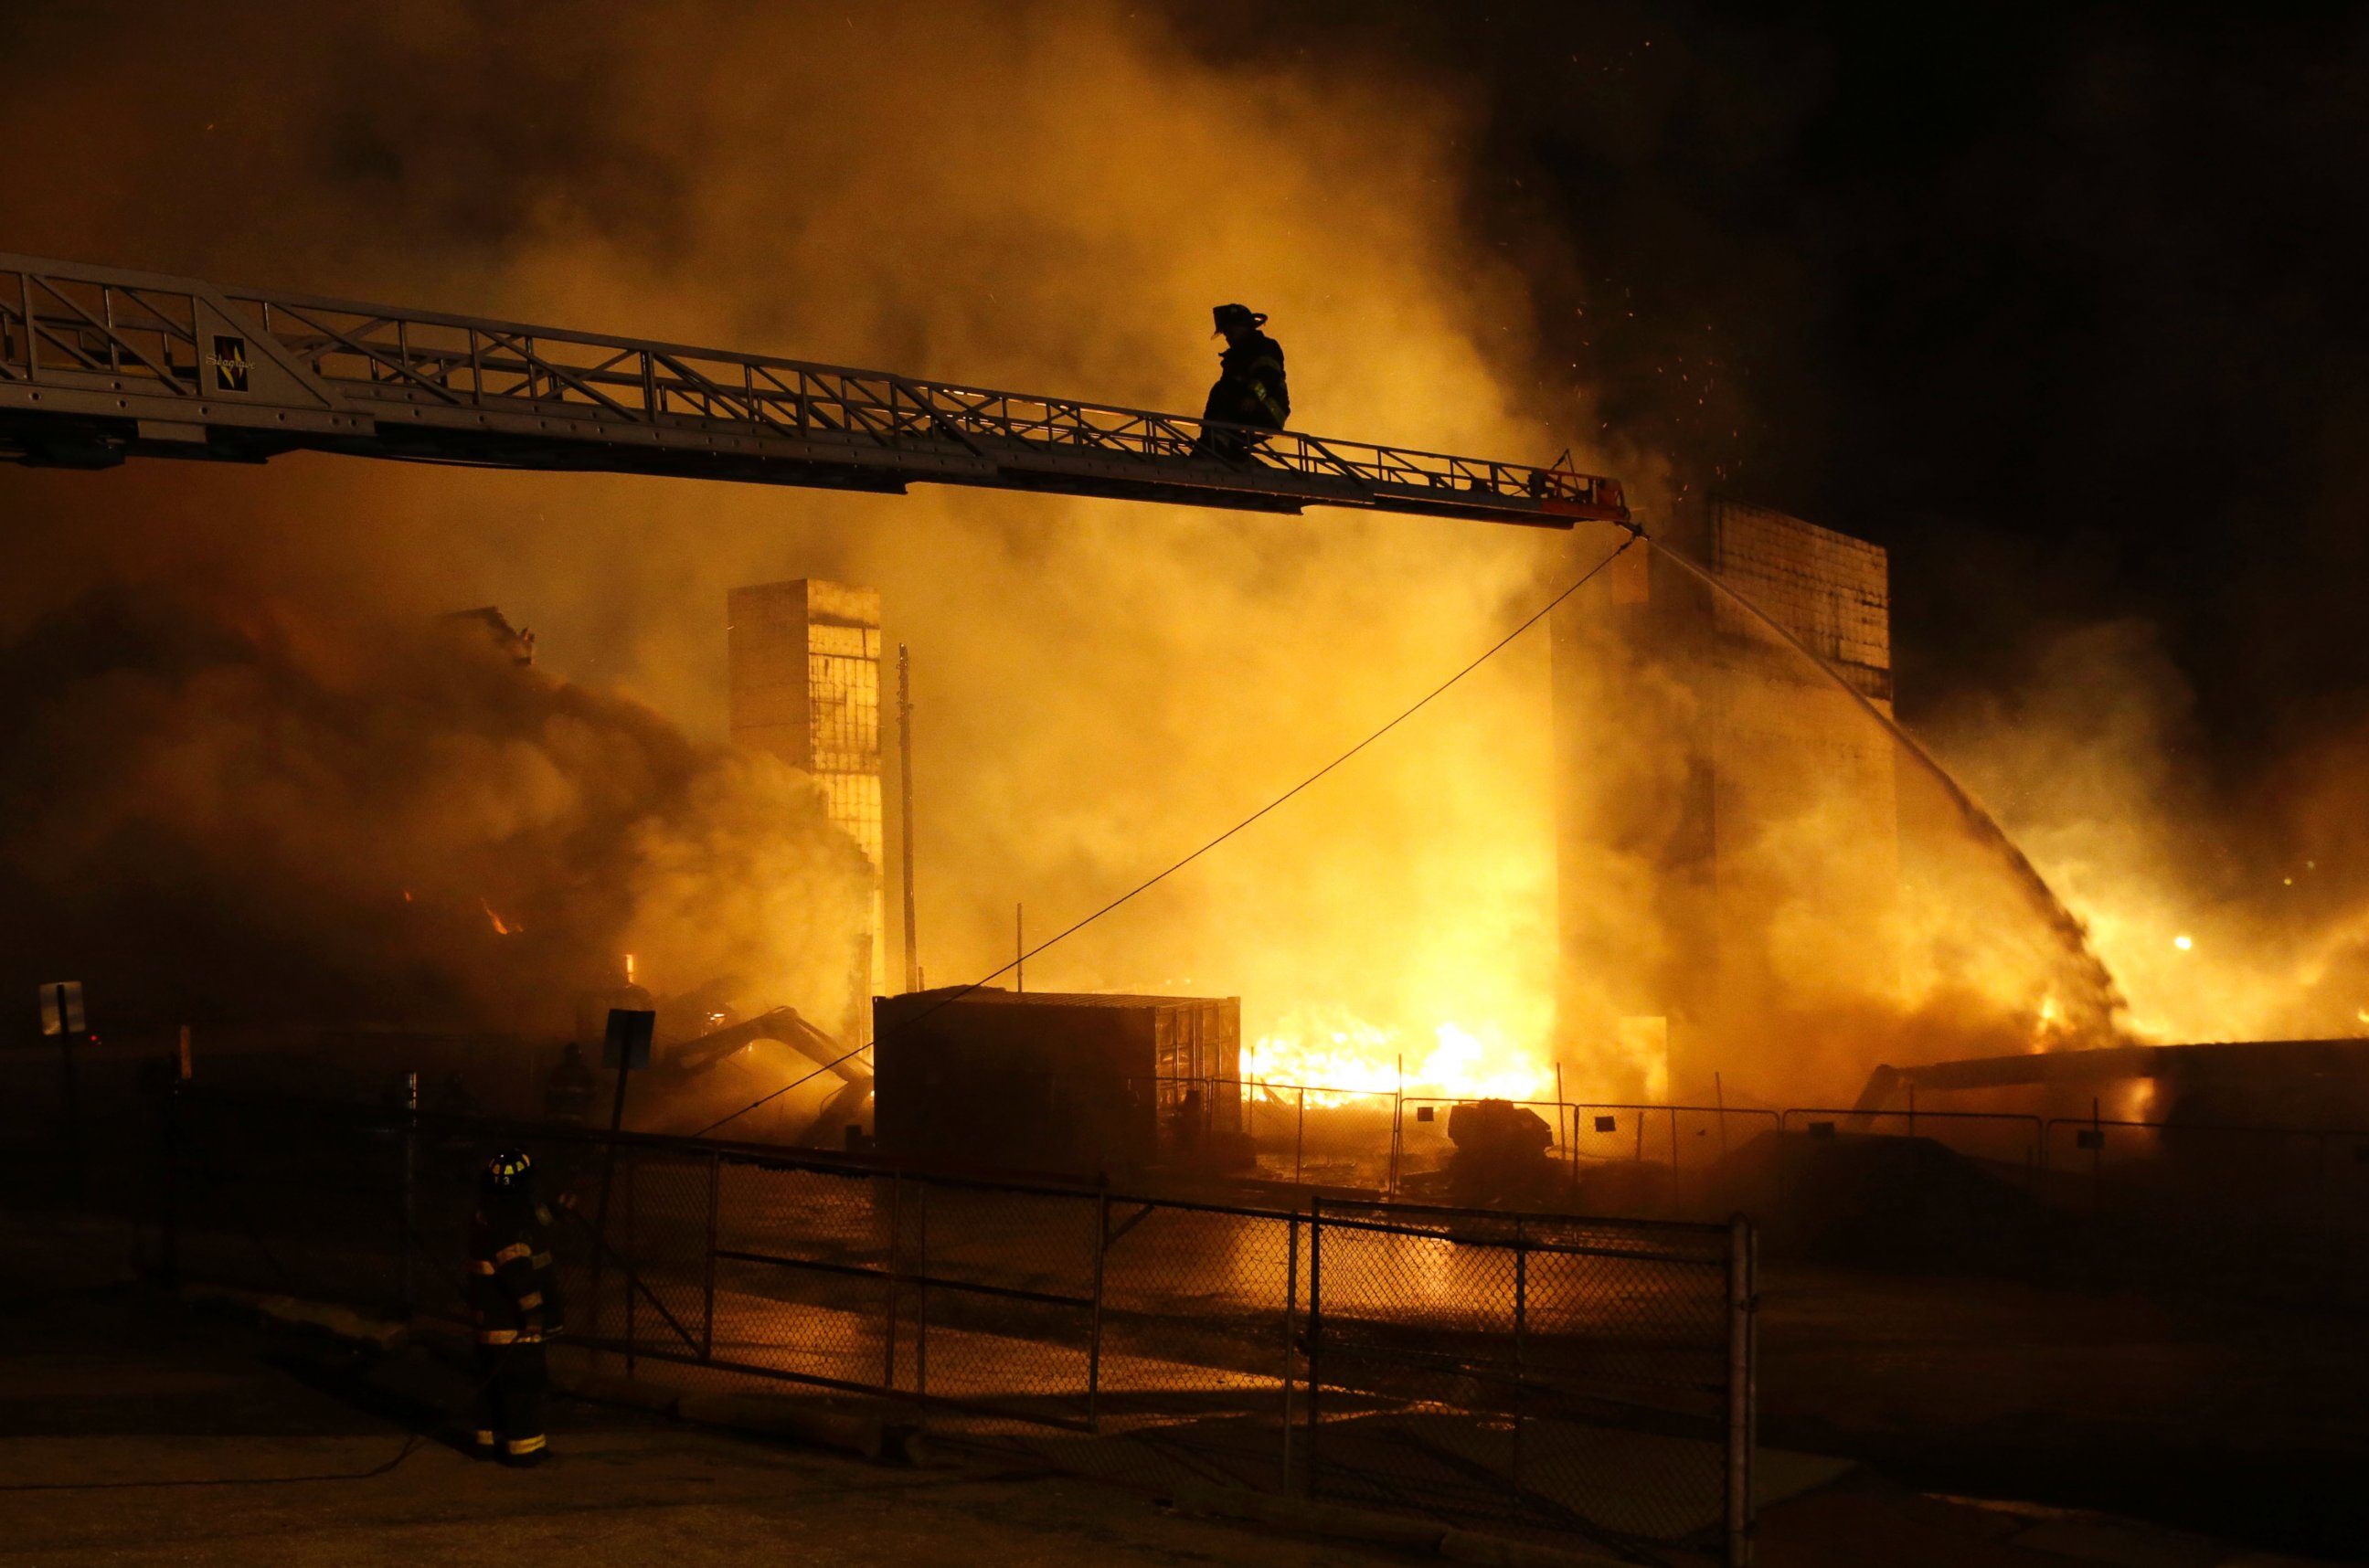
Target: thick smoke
(2221, 925)
(241, 812)
(1024, 197)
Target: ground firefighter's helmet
(506, 1171)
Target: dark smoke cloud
(2061, 303)
(239, 810)
(1478, 239)
(2063, 306)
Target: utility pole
(905, 787)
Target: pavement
(136, 1429)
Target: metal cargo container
(1070, 1082)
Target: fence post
(1290, 1305)
(1094, 1332)
(895, 1251)
(168, 1193)
(1742, 1395)
(1521, 1328)
(2096, 1160)
(633, 1297)
(714, 1201)
(920, 1291)
(1675, 1206)
(1315, 1328)
(1299, 1138)
(410, 1216)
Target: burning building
(805, 688)
(1746, 736)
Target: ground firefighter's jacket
(513, 1290)
(1250, 389)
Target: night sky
(2062, 304)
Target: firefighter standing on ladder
(515, 1302)
(1250, 388)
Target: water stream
(2105, 998)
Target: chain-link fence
(1580, 1380)
(1569, 1374)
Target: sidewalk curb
(1343, 1522)
(765, 1415)
(291, 1311)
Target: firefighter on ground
(1249, 389)
(515, 1303)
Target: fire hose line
(1543, 611)
(412, 1443)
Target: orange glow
(501, 926)
(1346, 1057)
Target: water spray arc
(2062, 921)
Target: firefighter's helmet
(1237, 318)
(506, 1171)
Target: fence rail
(1577, 1380)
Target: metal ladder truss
(98, 365)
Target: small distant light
(2288, 880)
(2182, 943)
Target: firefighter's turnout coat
(514, 1300)
(513, 1291)
(1250, 389)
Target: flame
(1340, 1057)
(501, 927)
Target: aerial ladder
(98, 365)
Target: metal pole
(71, 1094)
(1018, 951)
(1094, 1330)
(1673, 1159)
(608, 1177)
(904, 786)
(715, 1197)
(1571, 1139)
(888, 1312)
(1741, 1393)
(168, 1216)
(632, 1296)
(1315, 1328)
(410, 1189)
(1521, 1327)
(1397, 1145)
(1290, 1305)
(1299, 1138)
(922, 1290)
(2096, 1160)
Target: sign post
(626, 1047)
(62, 1015)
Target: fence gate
(1580, 1380)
